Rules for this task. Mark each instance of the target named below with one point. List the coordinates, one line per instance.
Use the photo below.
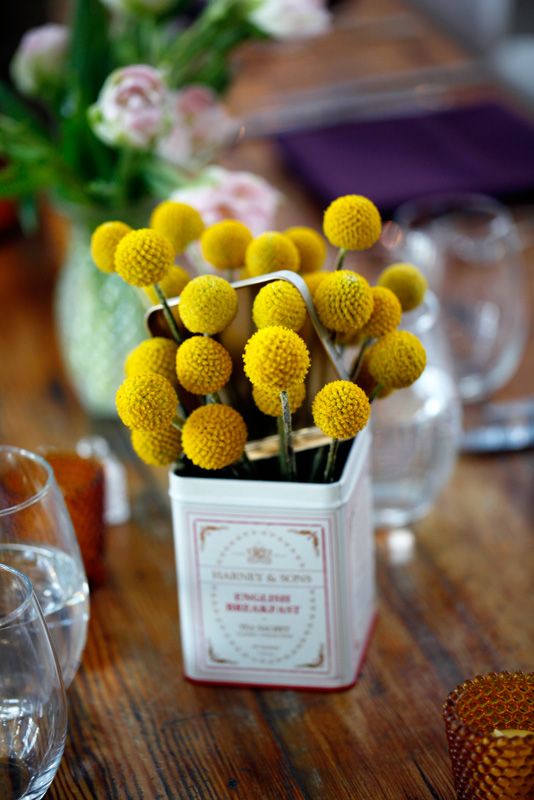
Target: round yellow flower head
(203, 365)
(276, 358)
(397, 360)
(311, 247)
(153, 355)
(268, 400)
(104, 242)
(405, 281)
(366, 381)
(171, 285)
(352, 222)
(157, 448)
(208, 304)
(386, 313)
(344, 301)
(313, 279)
(146, 401)
(279, 303)
(214, 436)
(270, 252)
(179, 222)
(224, 244)
(341, 409)
(143, 257)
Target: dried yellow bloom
(344, 301)
(171, 285)
(203, 365)
(311, 247)
(386, 313)
(397, 360)
(146, 401)
(366, 381)
(270, 252)
(352, 222)
(153, 355)
(268, 400)
(179, 222)
(208, 304)
(214, 436)
(104, 242)
(157, 448)
(406, 282)
(341, 409)
(279, 303)
(224, 244)
(313, 279)
(143, 257)
(276, 358)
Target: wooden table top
(461, 605)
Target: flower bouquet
(265, 430)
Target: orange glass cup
(81, 481)
(490, 730)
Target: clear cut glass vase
(99, 318)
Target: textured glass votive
(487, 720)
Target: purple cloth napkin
(486, 148)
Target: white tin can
(276, 580)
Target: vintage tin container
(276, 580)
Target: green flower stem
(340, 258)
(212, 397)
(286, 444)
(178, 422)
(331, 461)
(359, 360)
(376, 391)
(168, 314)
(317, 463)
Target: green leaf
(11, 106)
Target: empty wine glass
(33, 709)
(37, 538)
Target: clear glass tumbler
(37, 538)
(33, 707)
(416, 430)
(469, 248)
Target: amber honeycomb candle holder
(490, 730)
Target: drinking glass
(469, 248)
(416, 431)
(33, 709)
(37, 538)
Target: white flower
(200, 127)
(291, 19)
(40, 58)
(222, 194)
(139, 6)
(132, 108)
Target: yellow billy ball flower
(224, 244)
(344, 301)
(406, 282)
(279, 303)
(104, 242)
(386, 313)
(270, 252)
(146, 401)
(352, 222)
(313, 279)
(208, 304)
(397, 360)
(143, 257)
(179, 222)
(171, 285)
(276, 357)
(203, 365)
(268, 400)
(311, 247)
(366, 381)
(157, 448)
(214, 436)
(341, 409)
(153, 355)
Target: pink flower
(200, 127)
(222, 194)
(132, 108)
(291, 19)
(40, 57)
